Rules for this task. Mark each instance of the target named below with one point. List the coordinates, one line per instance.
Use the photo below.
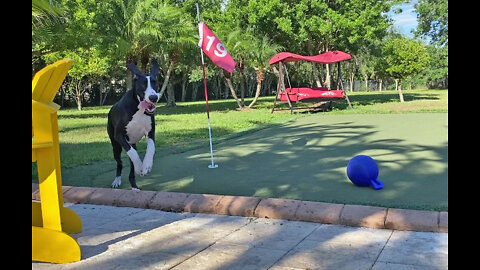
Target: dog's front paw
(137, 162)
(117, 182)
(148, 160)
(147, 166)
(137, 166)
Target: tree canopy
(102, 36)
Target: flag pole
(213, 165)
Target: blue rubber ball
(362, 170)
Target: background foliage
(102, 36)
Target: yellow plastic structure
(51, 222)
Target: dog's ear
(154, 71)
(135, 69)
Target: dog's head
(145, 87)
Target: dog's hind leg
(117, 150)
(131, 177)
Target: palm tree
(44, 14)
(261, 50)
(166, 32)
(47, 20)
(238, 42)
(144, 29)
(120, 33)
(235, 42)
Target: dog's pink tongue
(145, 104)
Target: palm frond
(44, 14)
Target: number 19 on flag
(214, 48)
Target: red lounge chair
(302, 93)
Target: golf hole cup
(362, 170)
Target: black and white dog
(131, 118)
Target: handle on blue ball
(376, 184)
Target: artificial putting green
(306, 159)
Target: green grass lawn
(83, 136)
(84, 140)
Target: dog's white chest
(138, 127)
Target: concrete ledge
(328, 213)
(104, 196)
(412, 220)
(443, 222)
(135, 198)
(168, 201)
(79, 195)
(202, 203)
(237, 206)
(363, 216)
(36, 191)
(277, 208)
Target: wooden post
(276, 95)
(281, 87)
(340, 83)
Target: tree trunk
(365, 77)
(314, 65)
(226, 94)
(327, 66)
(242, 82)
(315, 75)
(78, 95)
(327, 77)
(380, 86)
(167, 78)
(267, 82)
(170, 96)
(352, 81)
(230, 86)
(401, 95)
(195, 87)
(103, 92)
(242, 89)
(259, 87)
(184, 87)
(78, 100)
(144, 59)
(399, 89)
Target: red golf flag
(214, 48)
